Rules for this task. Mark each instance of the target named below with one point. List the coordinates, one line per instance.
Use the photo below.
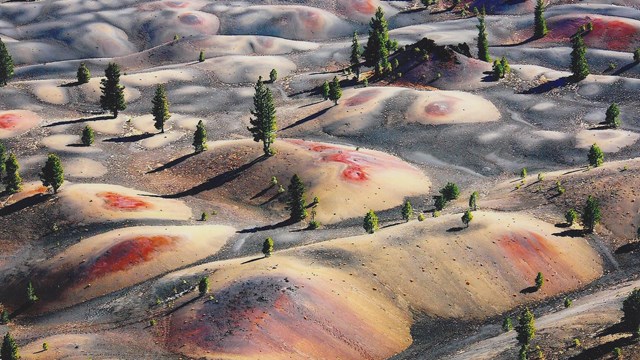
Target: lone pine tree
(473, 201)
(6, 64)
(326, 88)
(579, 65)
(370, 223)
(203, 285)
(335, 91)
(160, 110)
(267, 247)
(12, 179)
(296, 202)
(407, 211)
(596, 156)
(88, 136)
(52, 173)
(3, 159)
(467, 217)
(112, 98)
(9, 350)
(591, 214)
(483, 43)
(200, 138)
(613, 116)
(263, 123)
(83, 75)
(540, 24)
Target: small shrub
(507, 324)
(313, 224)
(539, 281)
(421, 217)
(636, 55)
(152, 322)
(523, 173)
(45, 346)
(540, 176)
(617, 353)
(88, 136)
(571, 216)
(365, 82)
(567, 302)
(273, 75)
(204, 216)
(203, 285)
(201, 57)
(281, 189)
(577, 343)
(436, 213)
(274, 181)
(612, 66)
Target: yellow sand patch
(609, 140)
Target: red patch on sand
(529, 251)
(438, 108)
(364, 6)
(607, 33)
(354, 170)
(311, 20)
(115, 201)
(177, 4)
(9, 121)
(127, 254)
(361, 98)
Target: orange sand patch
(16, 122)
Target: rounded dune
(17, 122)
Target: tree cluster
(379, 46)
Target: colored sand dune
(16, 122)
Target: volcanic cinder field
(151, 250)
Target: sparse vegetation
(539, 281)
(571, 216)
(201, 57)
(203, 286)
(526, 330)
(263, 123)
(407, 211)
(567, 302)
(335, 91)
(88, 136)
(613, 116)
(591, 214)
(483, 43)
(370, 223)
(631, 312)
(52, 174)
(421, 217)
(540, 29)
(579, 65)
(356, 53)
(507, 324)
(273, 75)
(112, 98)
(12, 179)
(31, 293)
(467, 217)
(379, 46)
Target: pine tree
(203, 285)
(87, 136)
(539, 20)
(473, 201)
(636, 55)
(370, 223)
(450, 191)
(273, 75)
(296, 202)
(539, 281)
(201, 57)
(3, 159)
(263, 124)
(31, 293)
(467, 217)
(407, 211)
(579, 65)
(52, 173)
(267, 247)
(526, 328)
(440, 202)
(160, 109)
(83, 75)
(200, 138)
(356, 53)
(112, 98)
(6, 64)
(12, 179)
(4, 317)
(596, 156)
(507, 325)
(631, 311)
(483, 43)
(571, 216)
(335, 91)
(9, 349)
(613, 116)
(376, 53)
(326, 88)
(591, 214)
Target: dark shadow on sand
(172, 163)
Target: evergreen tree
(450, 191)
(376, 53)
(263, 124)
(440, 202)
(483, 43)
(296, 201)
(31, 293)
(539, 20)
(539, 281)
(370, 223)
(636, 55)
(526, 328)
(591, 214)
(83, 74)
(112, 98)
(3, 159)
(613, 116)
(87, 136)
(579, 65)
(507, 325)
(4, 317)
(473, 201)
(467, 217)
(201, 57)
(203, 285)
(407, 211)
(52, 173)
(6, 64)
(335, 91)
(200, 138)
(523, 173)
(596, 156)
(356, 53)
(12, 179)
(571, 216)
(267, 247)
(9, 349)
(273, 75)
(160, 109)
(631, 311)
(326, 88)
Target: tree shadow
(490, 77)
(186, 303)
(627, 248)
(281, 224)
(308, 118)
(76, 145)
(529, 290)
(23, 204)
(315, 103)
(548, 86)
(455, 229)
(130, 138)
(411, 11)
(70, 84)
(81, 120)
(216, 181)
(262, 192)
(562, 225)
(625, 68)
(277, 195)
(613, 329)
(171, 163)
(570, 233)
(392, 224)
(601, 350)
(252, 260)
(523, 42)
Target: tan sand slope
(16, 122)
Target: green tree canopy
(467, 217)
(296, 202)
(356, 53)
(88, 136)
(483, 42)
(203, 285)
(450, 191)
(325, 90)
(579, 65)
(407, 211)
(9, 349)
(263, 123)
(539, 281)
(540, 27)
(376, 53)
(52, 173)
(526, 328)
(3, 159)
(473, 201)
(631, 311)
(267, 247)
(201, 57)
(200, 138)
(596, 156)
(6, 64)
(613, 116)
(335, 91)
(83, 75)
(112, 98)
(370, 223)
(160, 110)
(591, 214)
(273, 75)
(571, 216)
(31, 293)
(12, 180)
